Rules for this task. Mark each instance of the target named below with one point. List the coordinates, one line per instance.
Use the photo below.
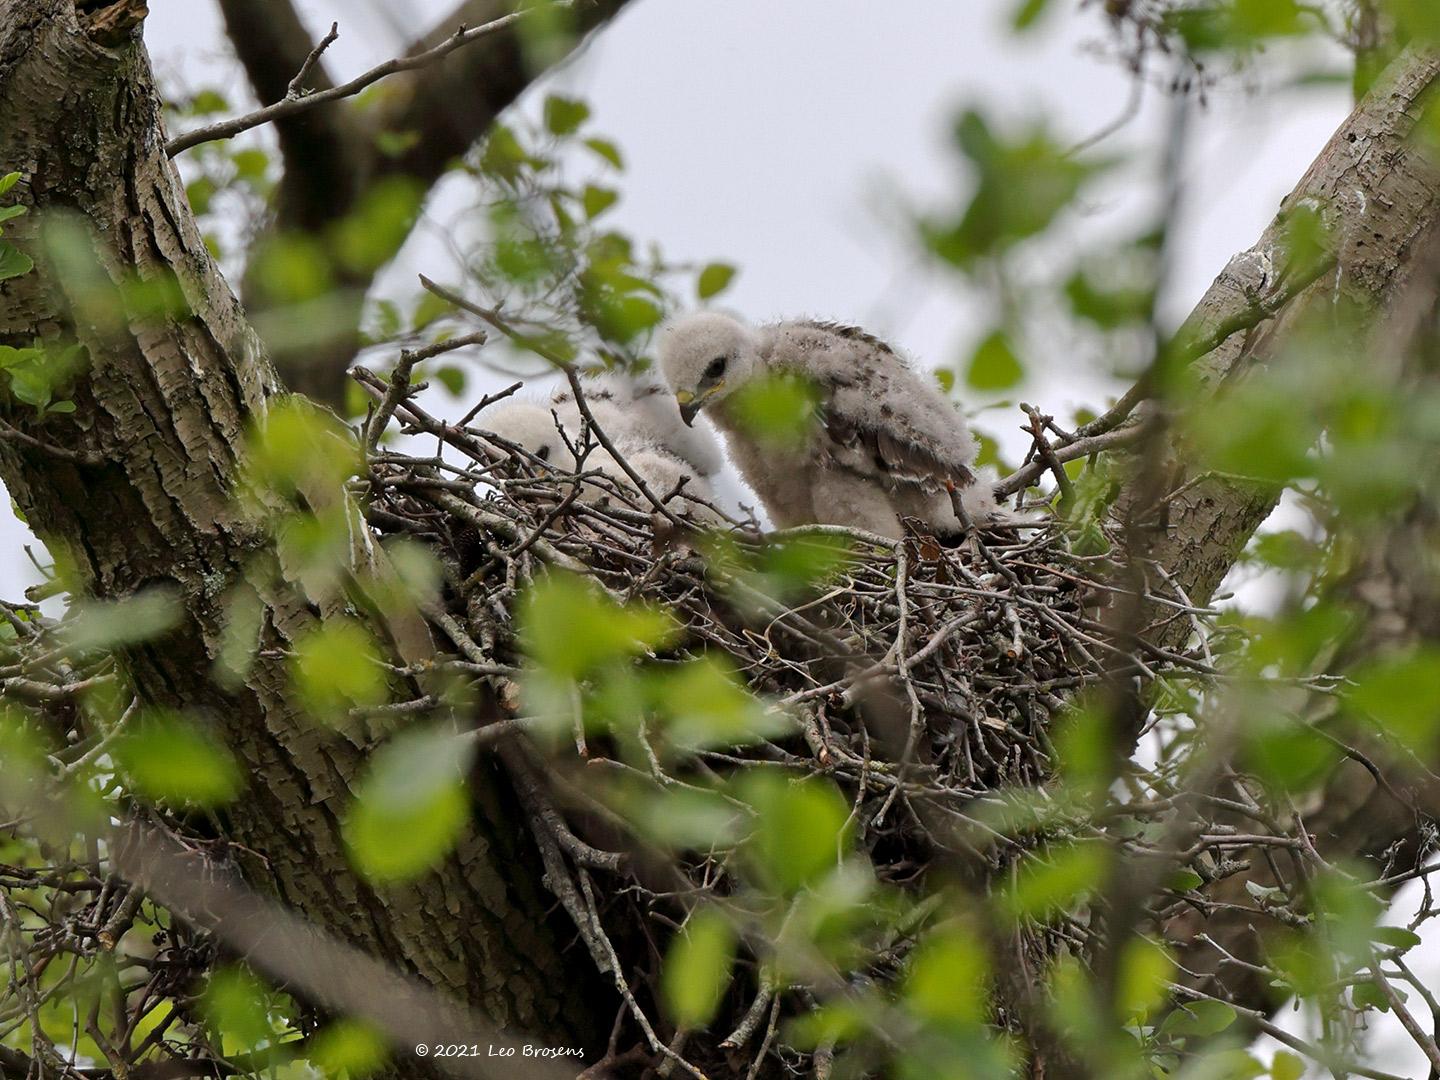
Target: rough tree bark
(138, 488)
(137, 483)
(1378, 189)
(1379, 193)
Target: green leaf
(606, 150)
(714, 279)
(12, 357)
(166, 757)
(387, 320)
(620, 317)
(1261, 430)
(250, 164)
(570, 627)
(800, 830)
(200, 192)
(349, 1045)
(1266, 894)
(597, 200)
(1368, 995)
(697, 969)
(709, 706)
(1286, 549)
(1145, 972)
(846, 1020)
(1024, 184)
(299, 447)
(1186, 880)
(1287, 756)
(1308, 242)
(13, 262)
(1252, 20)
(1108, 307)
(9, 212)
(994, 366)
(236, 1004)
(800, 563)
(371, 234)
(947, 979)
(1227, 1064)
(1048, 884)
(337, 667)
(1417, 20)
(503, 156)
(101, 624)
(429, 309)
(1287, 1066)
(392, 144)
(1201, 1019)
(681, 817)
(293, 269)
(1402, 695)
(452, 378)
(1082, 747)
(1395, 936)
(207, 103)
(777, 410)
(1027, 13)
(564, 116)
(8, 181)
(31, 384)
(411, 805)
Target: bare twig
(294, 103)
(297, 84)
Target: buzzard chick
(641, 412)
(534, 429)
(886, 443)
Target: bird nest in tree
(923, 679)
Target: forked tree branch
(442, 95)
(294, 103)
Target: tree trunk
(137, 487)
(1379, 191)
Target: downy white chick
(885, 443)
(533, 428)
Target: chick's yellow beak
(689, 406)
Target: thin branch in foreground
(400, 381)
(295, 102)
(337, 975)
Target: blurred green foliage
(907, 976)
(411, 806)
(168, 758)
(697, 969)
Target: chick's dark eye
(716, 368)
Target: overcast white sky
(776, 136)
(786, 138)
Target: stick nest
(922, 678)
